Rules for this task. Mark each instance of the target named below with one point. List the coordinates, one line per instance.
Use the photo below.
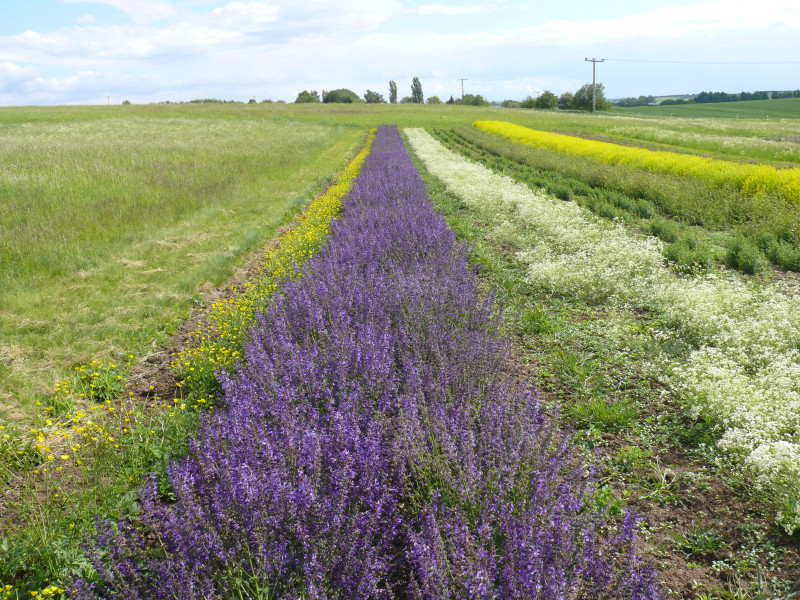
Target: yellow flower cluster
(217, 343)
(50, 591)
(67, 444)
(98, 381)
(750, 179)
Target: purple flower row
(370, 447)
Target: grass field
(113, 226)
(117, 221)
(782, 108)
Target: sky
(56, 52)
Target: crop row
(752, 180)
(368, 445)
(744, 370)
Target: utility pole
(594, 62)
(462, 89)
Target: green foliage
(340, 96)
(406, 100)
(473, 100)
(528, 102)
(561, 191)
(17, 452)
(779, 251)
(632, 459)
(97, 381)
(605, 499)
(416, 91)
(534, 321)
(690, 255)
(582, 100)
(374, 97)
(565, 101)
(605, 413)
(392, 92)
(699, 540)
(510, 104)
(601, 206)
(746, 256)
(433, 100)
(666, 229)
(546, 100)
(306, 97)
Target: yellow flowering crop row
(217, 343)
(750, 179)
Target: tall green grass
(113, 226)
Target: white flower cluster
(745, 373)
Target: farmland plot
(369, 446)
(743, 372)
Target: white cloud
(12, 75)
(240, 16)
(140, 11)
(284, 46)
(687, 21)
(85, 20)
(450, 10)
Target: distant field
(783, 108)
(679, 96)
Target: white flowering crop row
(745, 371)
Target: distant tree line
(711, 97)
(640, 101)
(345, 96)
(580, 100)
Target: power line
(696, 62)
